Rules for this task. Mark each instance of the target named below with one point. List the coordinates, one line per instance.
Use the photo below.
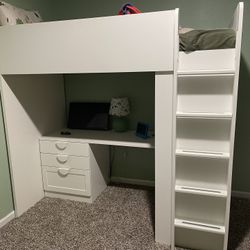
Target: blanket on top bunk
(11, 15)
(191, 40)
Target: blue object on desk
(142, 130)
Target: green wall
(139, 88)
(43, 6)
(194, 13)
(6, 203)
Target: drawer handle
(61, 145)
(62, 158)
(63, 171)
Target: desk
(76, 166)
(109, 137)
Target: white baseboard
(240, 194)
(7, 219)
(68, 197)
(132, 181)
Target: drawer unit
(64, 147)
(66, 167)
(73, 170)
(63, 160)
(66, 180)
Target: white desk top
(125, 139)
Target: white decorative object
(119, 106)
(11, 15)
(119, 109)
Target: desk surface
(125, 139)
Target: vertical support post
(237, 25)
(33, 105)
(163, 156)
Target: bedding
(11, 15)
(191, 40)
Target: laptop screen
(88, 115)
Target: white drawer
(64, 147)
(66, 180)
(63, 160)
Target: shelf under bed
(109, 137)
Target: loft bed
(91, 41)
(34, 58)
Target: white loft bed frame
(34, 57)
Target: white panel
(193, 239)
(205, 227)
(207, 61)
(76, 162)
(174, 108)
(205, 94)
(238, 26)
(64, 147)
(107, 44)
(202, 172)
(87, 199)
(203, 135)
(100, 169)
(33, 105)
(163, 156)
(200, 191)
(109, 137)
(66, 180)
(199, 208)
(202, 154)
(236, 23)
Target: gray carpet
(239, 233)
(121, 218)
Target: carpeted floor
(239, 233)
(121, 218)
